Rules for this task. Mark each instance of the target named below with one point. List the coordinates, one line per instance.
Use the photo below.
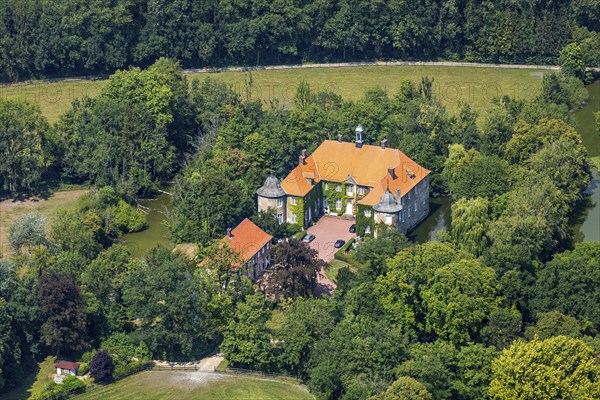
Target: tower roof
(271, 188)
(388, 203)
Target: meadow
(477, 86)
(154, 385)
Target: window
(409, 195)
(349, 190)
(294, 201)
(368, 212)
(338, 204)
(279, 202)
(280, 218)
(338, 188)
(368, 229)
(360, 190)
(388, 219)
(294, 218)
(415, 206)
(402, 216)
(326, 186)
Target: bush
(69, 386)
(124, 370)
(102, 368)
(84, 368)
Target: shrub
(102, 368)
(84, 368)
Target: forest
(504, 290)
(50, 38)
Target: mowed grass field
(476, 86)
(156, 385)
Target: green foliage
(458, 299)
(558, 367)
(554, 323)
(405, 388)
(23, 146)
(28, 231)
(356, 359)
(470, 223)
(373, 252)
(471, 174)
(571, 61)
(247, 340)
(554, 288)
(171, 305)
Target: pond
(585, 220)
(156, 231)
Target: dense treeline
(51, 38)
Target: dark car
(308, 238)
(339, 243)
(352, 228)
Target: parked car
(339, 243)
(308, 238)
(352, 228)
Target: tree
(458, 299)
(471, 174)
(27, 231)
(470, 222)
(267, 221)
(503, 327)
(373, 252)
(571, 61)
(554, 323)
(305, 322)
(554, 368)
(570, 283)
(101, 367)
(25, 156)
(247, 340)
(405, 388)
(173, 306)
(62, 309)
(294, 270)
(357, 359)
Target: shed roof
(73, 366)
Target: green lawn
(154, 385)
(475, 85)
(35, 383)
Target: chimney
(392, 172)
(359, 136)
(340, 138)
(229, 234)
(383, 144)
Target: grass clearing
(34, 384)
(474, 85)
(154, 385)
(11, 209)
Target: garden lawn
(155, 385)
(451, 84)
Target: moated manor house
(372, 183)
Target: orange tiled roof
(247, 239)
(368, 166)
